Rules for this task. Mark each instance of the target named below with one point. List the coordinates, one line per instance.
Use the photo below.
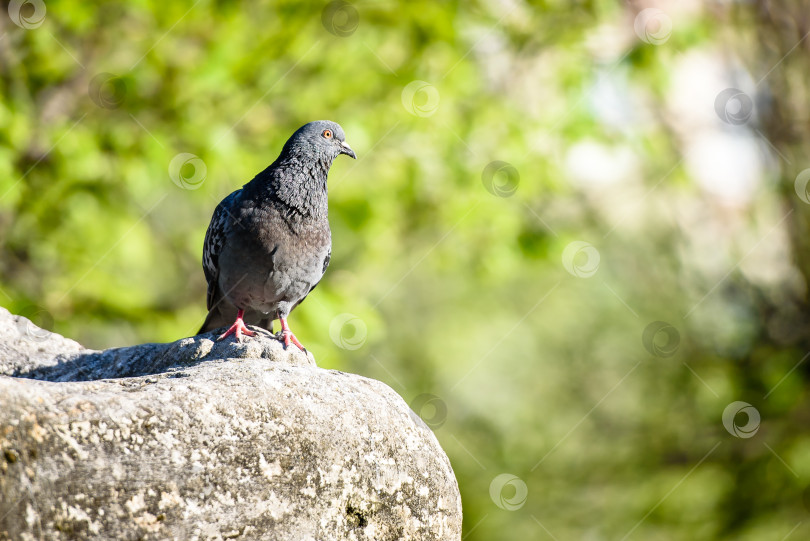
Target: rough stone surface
(205, 440)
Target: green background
(448, 282)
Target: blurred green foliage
(458, 298)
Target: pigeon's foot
(238, 328)
(288, 337)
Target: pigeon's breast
(271, 258)
(298, 266)
(275, 268)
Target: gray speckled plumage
(269, 243)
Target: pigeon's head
(322, 137)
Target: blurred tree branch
(783, 63)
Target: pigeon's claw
(238, 328)
(288, 337)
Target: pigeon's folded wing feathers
(212, 247)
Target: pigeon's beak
(346, 149)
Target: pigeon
(269, 243)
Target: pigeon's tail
(214, 320)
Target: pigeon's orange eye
(327, 134)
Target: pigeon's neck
(296, 183)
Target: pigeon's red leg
(288, 335)
(238, 328)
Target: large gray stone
(205, 440)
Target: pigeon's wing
(325, 262)
(212, 247)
